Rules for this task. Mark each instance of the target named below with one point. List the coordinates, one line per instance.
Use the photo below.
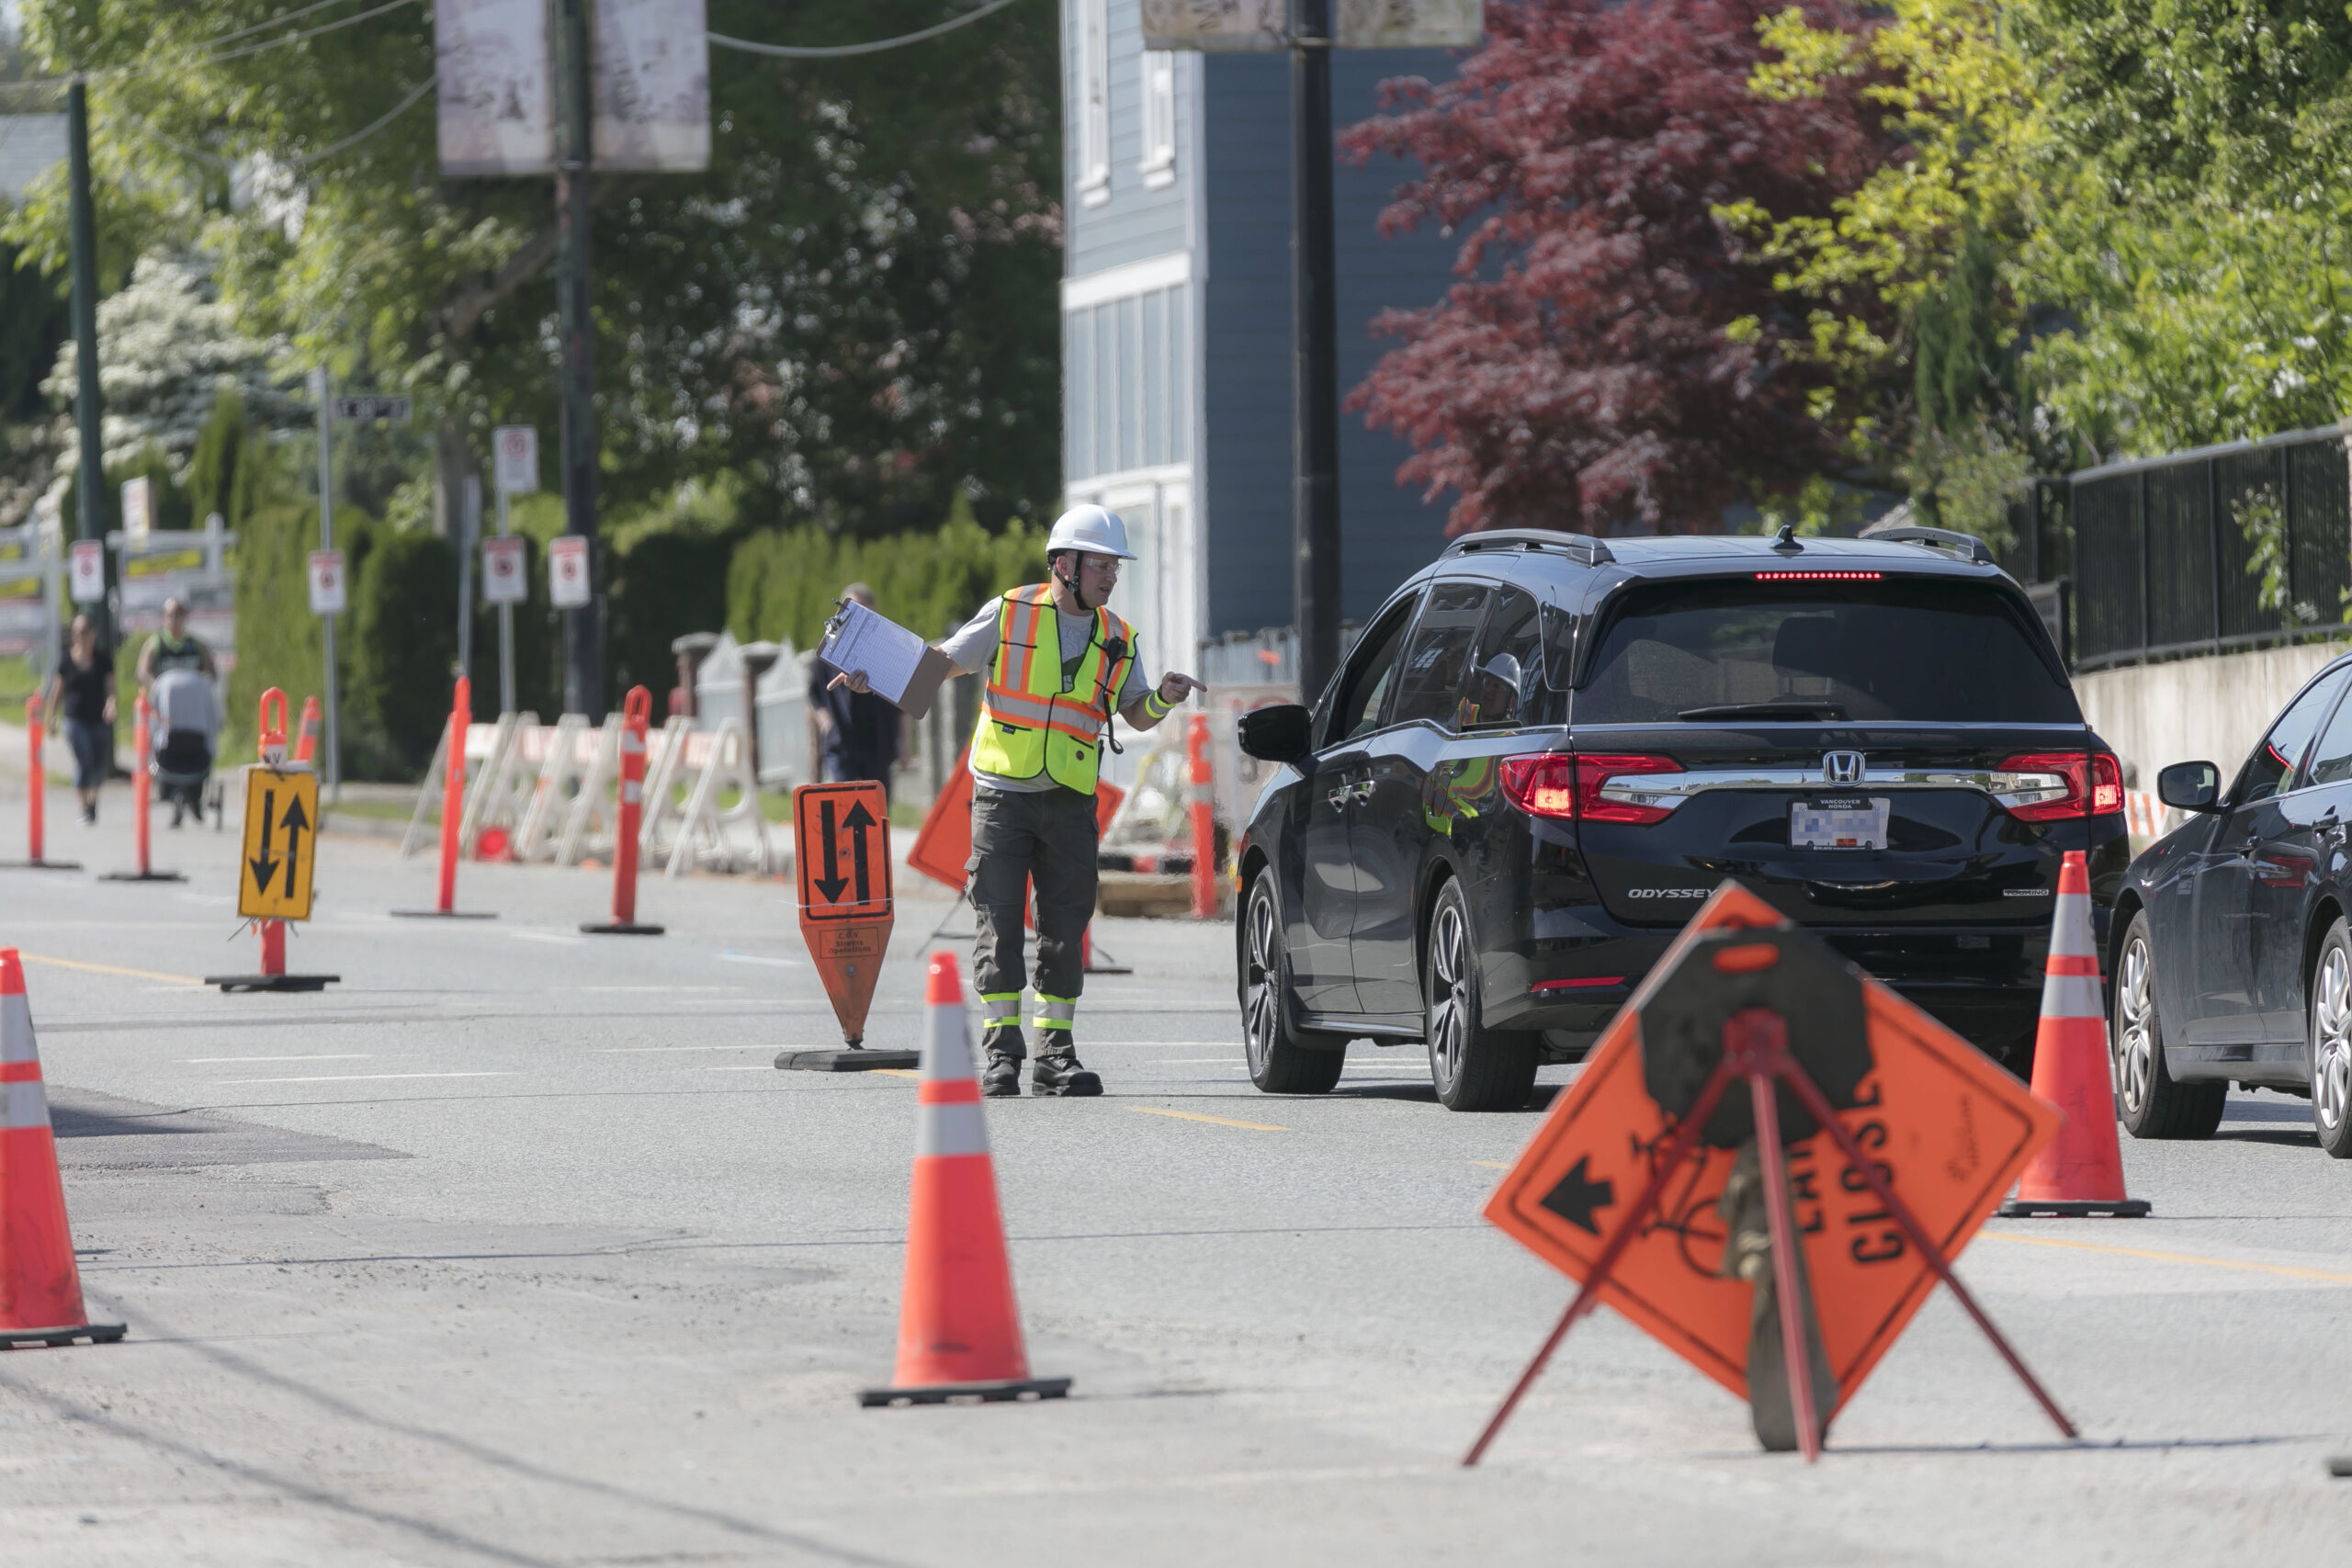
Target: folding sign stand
(276, 838)
(1727, 977)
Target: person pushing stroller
(187, 724)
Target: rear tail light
(2055, 786)
(1589, 788)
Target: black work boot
(1006, 1051)
(1060, 1072)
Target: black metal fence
(2160, 548)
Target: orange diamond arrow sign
(1947, 1127)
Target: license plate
(1848, 824)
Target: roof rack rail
(1968, 547)
(1582, 548)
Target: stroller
(188, 716)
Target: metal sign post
(333, 758)
(88, 406)
(514, 471)
(468, 532)
(583, 623)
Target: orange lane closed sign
(1948, 1127)
(842, 843)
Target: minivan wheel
(2330, 1044)
(1281, 1059)
(1474, 1067)
(2151, 1104)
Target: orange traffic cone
(40, 1290)
(2081, 1170)
(959, 1330)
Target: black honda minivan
(1546, 749)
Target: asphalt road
(512, 1248)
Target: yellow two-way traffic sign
(281, 843)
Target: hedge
(782, 583)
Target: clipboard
(894, 649)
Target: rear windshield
(1891, 650)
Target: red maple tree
(1585, 371)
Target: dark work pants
(1048, 839)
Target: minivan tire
(1282, 1060)
(2148, 1100)
(1472, 1067)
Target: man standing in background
(857, 732)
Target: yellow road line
(1197, 1116)
(2288, 1270)
(110, 969)
(1491, 1164)
(895, 1072)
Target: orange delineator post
(36, 802)
(307, 741)
(637, 722)
(453, 791)
(141, 800)
(41, 1288)
(1203, 809)
(2080, 1172)
(35, 781)
(453, 808)
(959, 1327)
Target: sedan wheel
(2151, 1104)
(2331, 1044)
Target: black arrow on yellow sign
(295, 821)
(265, 865)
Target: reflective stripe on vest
(1029, 724)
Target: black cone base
(446, 914)
(2069, 1209)
(96, 1333)
(272, 982)
(981, 1393)
(849, 1060)
(41, 865)
(619, 928)
(142, 876)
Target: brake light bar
(1599, 789)
(1820, 576)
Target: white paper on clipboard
(857, 638)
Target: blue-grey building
(1176, 326)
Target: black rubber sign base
(272, 982)
(2074, 1209)
(142, 876)
(619, 928)
(852, 1059)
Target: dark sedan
(2231, 959)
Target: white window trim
(1093, 26)
(1158, 164)
(1089, 289)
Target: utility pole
(330, 769)
(1314, 375)
(583, 628)
(89, 408)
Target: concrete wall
(2212, 708)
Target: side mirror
(1278, 734)
(2192, 787)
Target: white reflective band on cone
(2072, 995)
(2070, 927)
(16, 1030)
(24, 1105)
(952, 1130)
(947, 1046)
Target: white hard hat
(1094, 529)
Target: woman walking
(82, 693)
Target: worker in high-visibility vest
(1059, 666)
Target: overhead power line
(167, 63)
(838, 51)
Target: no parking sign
(326, 582)
(504, 580)
(87, 573)
(567, 571)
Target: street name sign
(280, 848)
(368, 408)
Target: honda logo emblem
(1841, 767)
